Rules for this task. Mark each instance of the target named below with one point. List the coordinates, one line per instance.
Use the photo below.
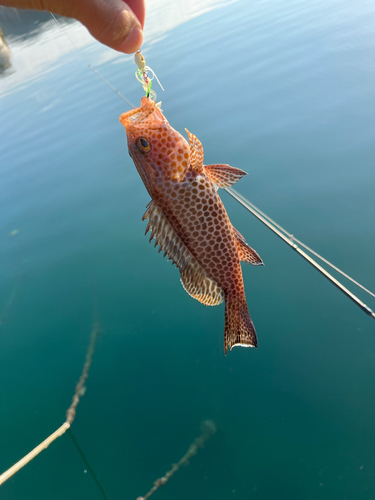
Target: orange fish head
(158, 151)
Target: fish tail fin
(239, 328)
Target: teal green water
(283, 90)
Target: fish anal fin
(237, 233)
(246, 253)
(196, 152)
(194, 278)
(224, 175)
(201, 287)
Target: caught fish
(187, 218)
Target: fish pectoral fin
(196, 152)
(246, 253)
(194, 278)
(224, 175)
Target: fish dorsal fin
(196, 152)
(246, 253)
(194, 278)
(224, 175)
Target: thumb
(113, 22)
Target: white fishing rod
(291, 241)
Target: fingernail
(132, 42)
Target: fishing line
(87, 463)
(111, 87)
(64, 31)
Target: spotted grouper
(187, 218)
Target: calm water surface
(283, 90)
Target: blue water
(283, 90)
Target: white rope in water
(70, 414)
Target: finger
(139, 9)
(113, 22)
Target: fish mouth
(147, 115)
(130, 116)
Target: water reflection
(23, 24)
(50, 42)
(40, 49)
(164, 15)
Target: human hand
(115, 23)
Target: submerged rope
(80, 387)
(70, 414)
(26, 459)
(208, 428)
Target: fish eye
(143, 145)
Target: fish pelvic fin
(223, 176)
(246, 253)
(196, 152)
(239, 328)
